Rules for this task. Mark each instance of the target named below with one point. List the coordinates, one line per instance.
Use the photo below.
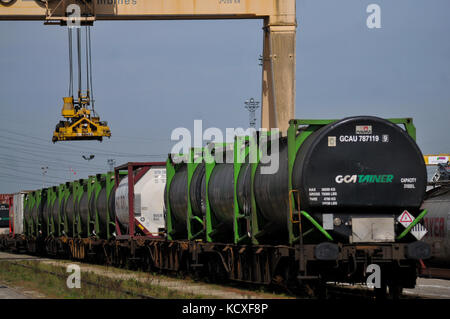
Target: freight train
(327, 212)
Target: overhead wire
(79, 60)
(20, 148)
(43, 157)
(69, 30)
(50, 168)
(87, 62)
(38, 147)
(29, 161)
(67, 146)
(28, 178)
(8, 180)
(45, 148)
(29, 173)
(90, 68)
(34, 178)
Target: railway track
(186, 286)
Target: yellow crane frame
(81, 124)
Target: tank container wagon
(327, 212)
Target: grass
(54, 285)
(263, 291)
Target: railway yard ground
(48, 278)
(29, 277)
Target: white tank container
(148, 201)
(17, 212)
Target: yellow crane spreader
(81, 124)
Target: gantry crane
(279, 16)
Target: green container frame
(242, 221)
(171, 168)
(29, 201)
(78, 190)
(213, 227)
(63, 195)
(52, 196)
(257, 222)
(296, 234)
(96, 183)
(39, 197)
(196, 226)
(250, 228)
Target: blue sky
(153, 76)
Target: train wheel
(147, 263)
(321, 291)
(395, 292)
(380, 293)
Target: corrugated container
(17, 214)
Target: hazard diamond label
(405, 218)
(419, 231)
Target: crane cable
(88, 63)
(89, 66)
(79, 61)
(70, 63)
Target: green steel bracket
(38, 195)
(101, 231)
(170, 173)
(64, 195)
(317, 225)
(52, 197)
(92, 216)
(28, 206)
(195, 224)
(241, 223)
(95, 185)
(110, 184)
(77, 194)
(258, 223)
(25, 221)
(212, 224)
(299, 130)
(72, 191)
(171, 168)
(58, 223)
(32, 203)
(414, 223)
(310, 122)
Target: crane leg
(278, 85)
